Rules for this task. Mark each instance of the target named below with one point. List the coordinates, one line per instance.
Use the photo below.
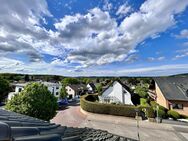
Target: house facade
(117, 92)
(172, 93)
(75, 90)
(91, 88)
(54, 88)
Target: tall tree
(26, 77)
(4, 89)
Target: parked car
(62, 102)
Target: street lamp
(137, 122)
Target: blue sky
(94, 37)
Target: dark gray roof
(173, 88)
(93, 86)
(18, 127)
(77, 87)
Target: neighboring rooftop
(77, 87)
(43, 82)
(18, 127)
(173, 88)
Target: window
(57, 88)
(20, 89)
(57, 93)
(177, 106)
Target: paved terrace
(73, 116)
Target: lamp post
(157, 108)
(137, 122)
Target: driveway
(70, 116)
(73, 116)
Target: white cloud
(96, 38)
(107, 5)
(156, 59)
(124, 9)
(183, 34)
(89, 39)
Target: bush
(161, 113)
(87, 104)
(183, 116)
(173, 114)
(144, 102)
(150, 113)
(154, 105)
(35, 100)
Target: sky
(94, 37)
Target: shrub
(154, 105)
(35, 100)
(150, 112)
(161, 113)
(144, 102)
(87, 104)
(184, 116)
(173, 114)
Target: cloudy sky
(94, 37)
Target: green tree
(86, 80)
(35, 100)
(141, 91)
(26, 77)
(63, 92)
(67, 81)
(99, 88)
(4, 88)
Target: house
(91, 88)
(54, 88)
(117, 92)
(172, 93)
(75, 90)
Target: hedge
(88, 103)
(173, 114)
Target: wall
(53, 89)
(17, 88)
(116, 90)
(89, 87)
(160, 98)
(70, 91)
(183, 111)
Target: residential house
(172, 93)
(116, 92)
(75, 90)
(54, 88)
(91, 88)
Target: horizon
(104, 38)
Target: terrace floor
(123, 126)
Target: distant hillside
(27, 77)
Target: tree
(99, 88)
(26, 77)
(63, 92)
(86, 80)
(141, 91)
(67, 81)
(35, 100)
(4, 88)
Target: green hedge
(173, 114)
(87, 103)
